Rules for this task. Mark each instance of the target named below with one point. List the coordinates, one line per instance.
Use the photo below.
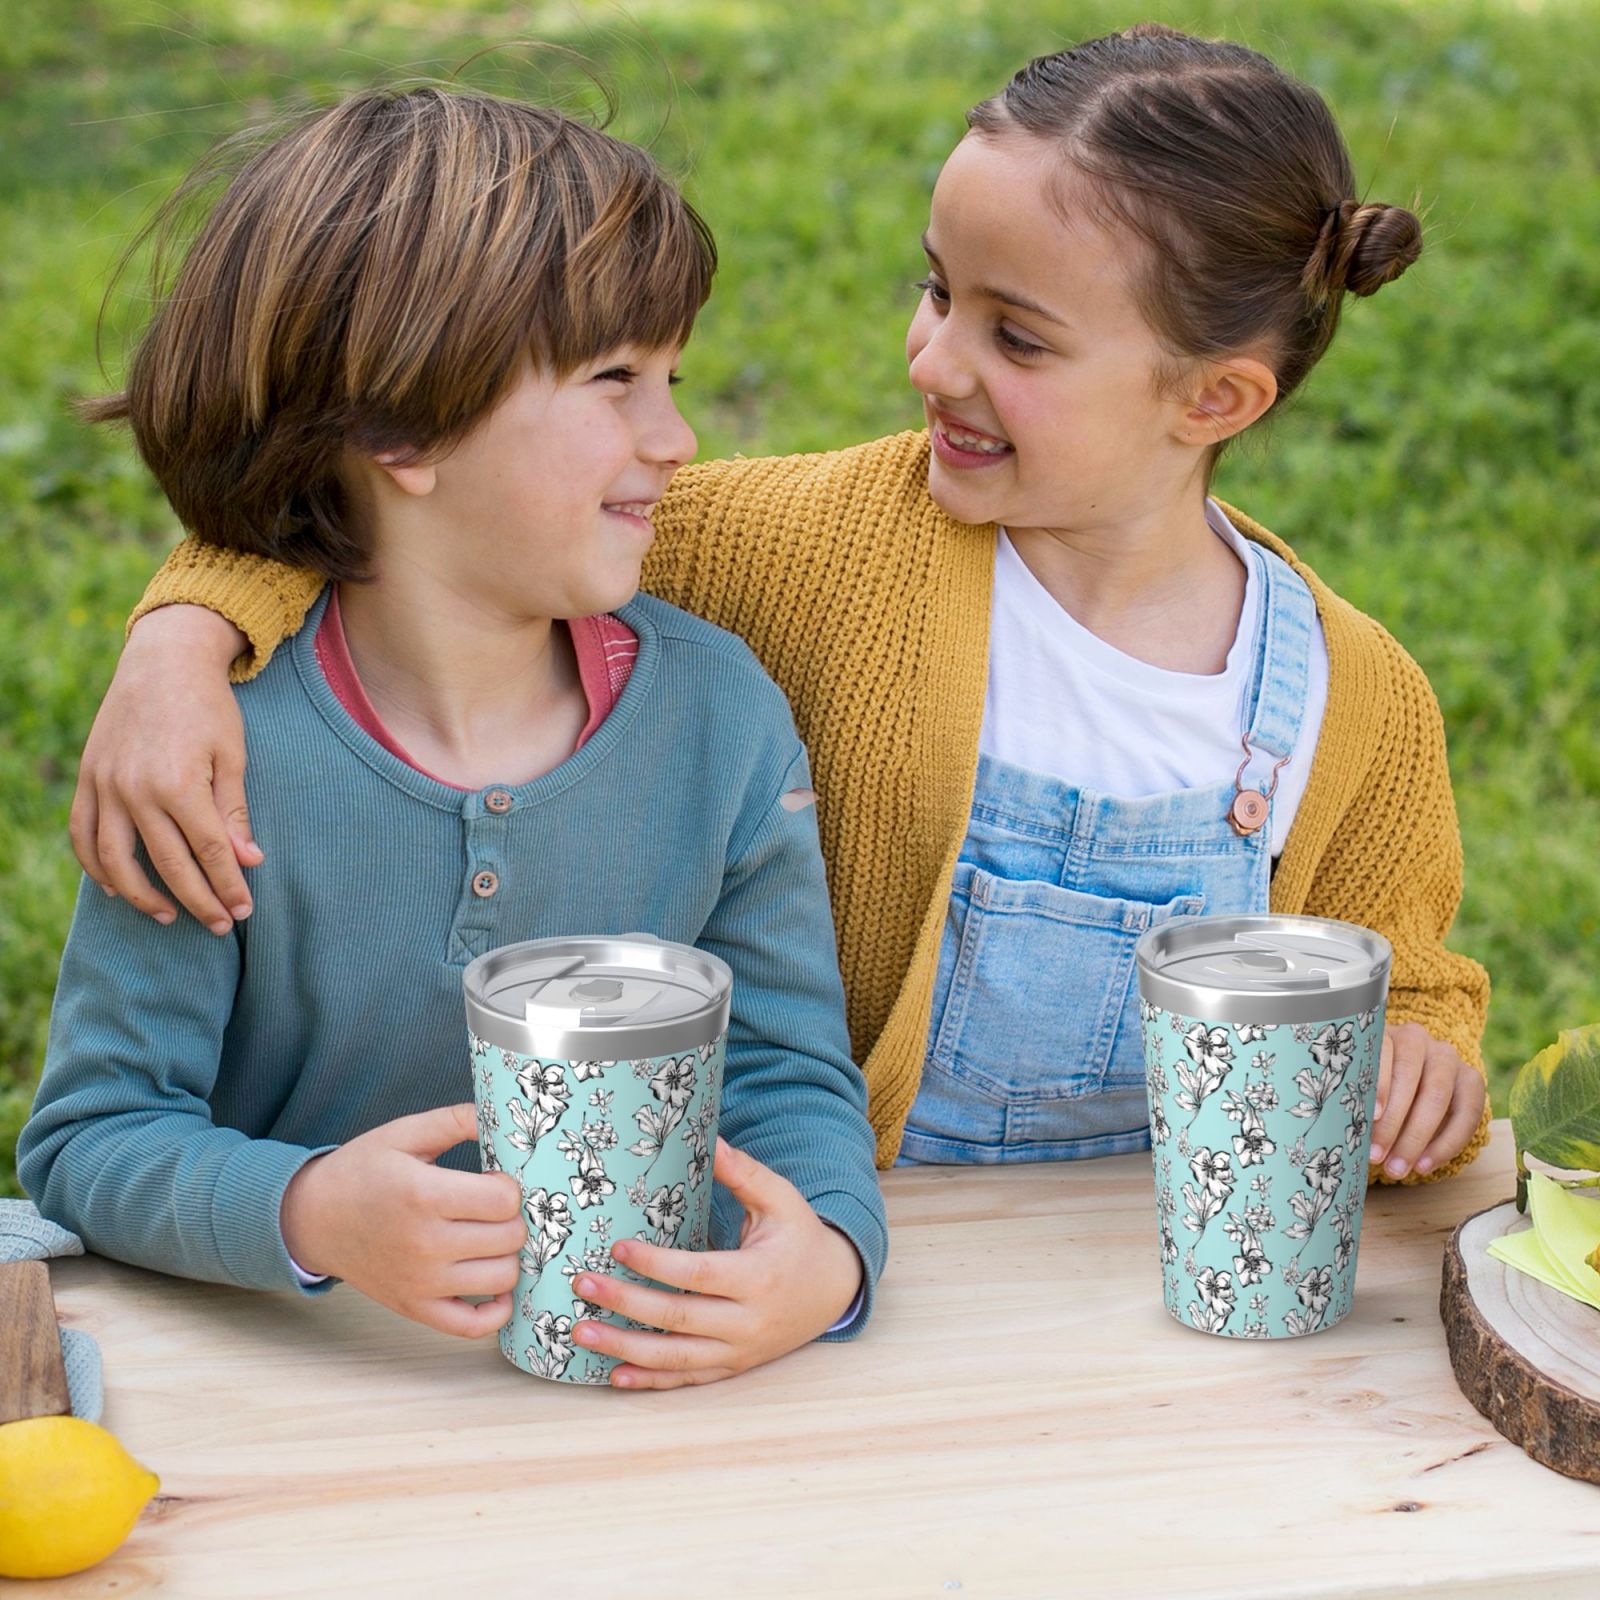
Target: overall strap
(1278, 688)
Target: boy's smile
(543, 508)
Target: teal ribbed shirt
(188, 1077)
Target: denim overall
(1034, 1045)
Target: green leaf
(1555, 1102)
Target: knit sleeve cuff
(264, 599)
(864, 1228)
(246, 1216)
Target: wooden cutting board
(1527, 1356)
(33, 1379)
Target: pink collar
(606, 648)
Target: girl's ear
(1235, 393)
(409, 477)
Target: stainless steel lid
(1263, 968)
(608, 999)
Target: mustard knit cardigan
(870, 607)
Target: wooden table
(1021, 1419)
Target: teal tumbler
(1262, 1037)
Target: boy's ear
(1235, 393)
(409, 477)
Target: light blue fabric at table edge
(26, 1236)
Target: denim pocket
(1039, 1015)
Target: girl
(423, 345)
(1054, 692)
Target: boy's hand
(412, 1236)
(165, 762)
(791, 1278)
(1429, 1102)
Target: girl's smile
(1038, 371)
(962, 446)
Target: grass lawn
(1438, 470)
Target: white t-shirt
(1064, 702)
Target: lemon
(69, 1495)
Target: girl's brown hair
(375, 279)
(1235, 175)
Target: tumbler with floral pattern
(1262, 1037)
(597, 1070)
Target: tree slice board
(33, 1379)
(1525, 1355)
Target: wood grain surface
(1021, 1419)
(33, 1376)
(1527, 1356)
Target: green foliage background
(1438, 470)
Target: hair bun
(1361, 248)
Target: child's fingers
(474, 1241)
(1429, 1107)
(114, 839)
(626, 1377)
(227, 792)
(1466, 1112)
(170, 855)
(495, 1275)
(1409, 1053)
(705, 1315)
(464, 1319)
(1385, 1070)
(427, 1135)
(712, 1272)
(658, 1352)
(213, 863)
(759, 1189)
(83, 826)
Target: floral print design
(672, 1084)
(552, 1349)
(549, 1227)
(564, 1127)
(665, 1211)
(545, 1096)
(1213, 1171)
(1216, 1300)
(1210, 1058)
(1236, 1109)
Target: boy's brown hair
(376, 279)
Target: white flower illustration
(1335, 1046)
(1325, 1170)
(1213, 1168)
(1251, 1263)
(1251, 1143)
(549, 1214)
(665, 1211)
(674, 1082)
(1208, 1047)
(1315, 1290)
(1216, 1293)
(590, 1186)
(552, 1349)
(1160, 1128)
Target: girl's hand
(165, 761)
(791, 1278)
(413, 1236)
(1429, 1102)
